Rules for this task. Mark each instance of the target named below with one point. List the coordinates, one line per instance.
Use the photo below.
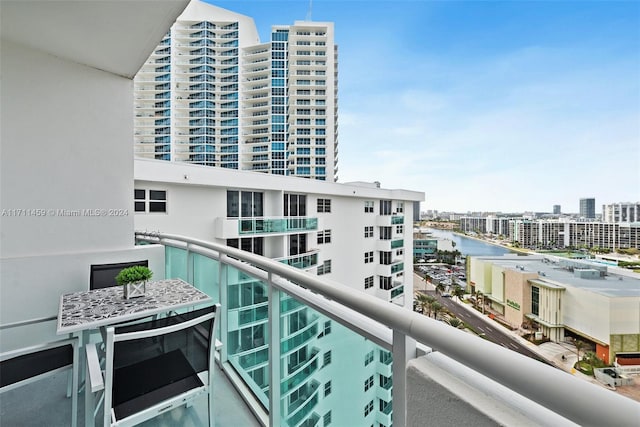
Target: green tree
(436, 307)
(440, 288)
(580, 345)
(455, 322)
(458, 292)
(424, 301)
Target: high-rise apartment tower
(588, 208)
(212, 94)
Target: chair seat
(141, 385)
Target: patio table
(88, 310)
(82, 312)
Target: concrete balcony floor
(44, 403)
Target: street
(495, 334)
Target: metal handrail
(543, 384)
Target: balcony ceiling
(114, 36)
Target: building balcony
(340, 335)
(390, 269)
(303, 261)
(229, 228)
(388, 220)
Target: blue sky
(484, 105)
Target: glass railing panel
(321, 362)
(397, 291)
(276, 225)
(302, 261)
(206, 276)
(397, 267)
(397, 219)
(247, 332)
(175, 263)
(397, 244)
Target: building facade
(562, 299)
(621, 212)
(557, 233)
(212, 94)
(356, 234)
(588, 208)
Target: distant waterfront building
(621, 212)
(563, 298)
(571, 233)
(486, 225)
(588, 208)
(556, 210)
(556, 233)
(212, 94)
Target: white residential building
(213, 94)
(355, 233)
(621, 212)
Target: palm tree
(458, 292)
(436, 307)
(455, 322)
(440, 288)
(424, 301)
(580, 345)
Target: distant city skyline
(484, 106)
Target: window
(295, 205)
(157, 201)
(400, 252)
(324, 205)
(249, 244)
(385, 283)
(368, 257)
(150, 201)
(327, 419)
(326, 359)
(327, 328)
(385, 258)
(535, 300)
(368, 282)
(368, 408)
(400, 207)
(368, 206)
(297, 244)
(368, 231)
(385, 233)
(139, 200)
(244, 204)
(385, 207)
(368, 358)
(368, 383)
(296, 359)
(399, 229)
(325, 268)
(324, 237)
(327, 388)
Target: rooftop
(552, 273)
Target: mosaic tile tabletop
(99, 307)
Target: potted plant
(134, 280)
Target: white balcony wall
(66, 145)
(66, 164)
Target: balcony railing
(339, 320)
(276, 225)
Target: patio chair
(104, 275)
(153, 367)
(27, 365)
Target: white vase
(135, 289)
